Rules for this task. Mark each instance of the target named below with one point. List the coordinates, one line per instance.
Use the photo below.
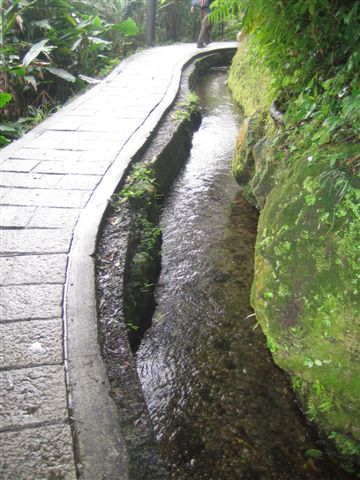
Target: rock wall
(306, 287)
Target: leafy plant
(141, 184)
(7, 129)
(312, 51)
(186, 110)
(48, 47)
(313, 453)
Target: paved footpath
(57, 420)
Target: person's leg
(207, 33)
(203, 35)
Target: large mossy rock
(250, 80)
(306, 291)
(254, 166)
(243, 165)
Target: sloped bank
(306, 285)
(128, 257)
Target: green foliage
(344, 444)
(140, 195)
(175, 22)
(302, 42)
(307, 283)
(310, 51)
(49, 47)
(5, 98)
(186, 110)
(313, 453)
(140, 187)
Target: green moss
(306, 290)
(143, 254)
(244, 166)
(250, 80)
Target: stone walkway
(56, 417)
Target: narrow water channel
(220, 407)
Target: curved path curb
(56, 184)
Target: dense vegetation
(50, 49)
(312, 49)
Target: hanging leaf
(19, 71)
(5, 98)
(44, 24)
(90, 80)
(76, 44)
(61, 73)
(3, 140)
(97, 22)
(31, 80)
(36, 50)
(127, 27)
(332, 122)
(20, 22)
(99, 41)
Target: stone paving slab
(55, 183)
(33, 269)
(22, 302)
(46, 453)
(61, 218)
(15, 165)
(29, 152)
(79, 182)
(15, 217)
(4, 192)
(51, 181)
(32, 396)
(80, 168)
(46, 198)
(31, 342)
(34, 241)
(26, 180)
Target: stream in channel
(220, 407)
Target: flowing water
(220, 407)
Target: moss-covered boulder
(250, 80)
(243, 166)
(306, 291)
(266, 170)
